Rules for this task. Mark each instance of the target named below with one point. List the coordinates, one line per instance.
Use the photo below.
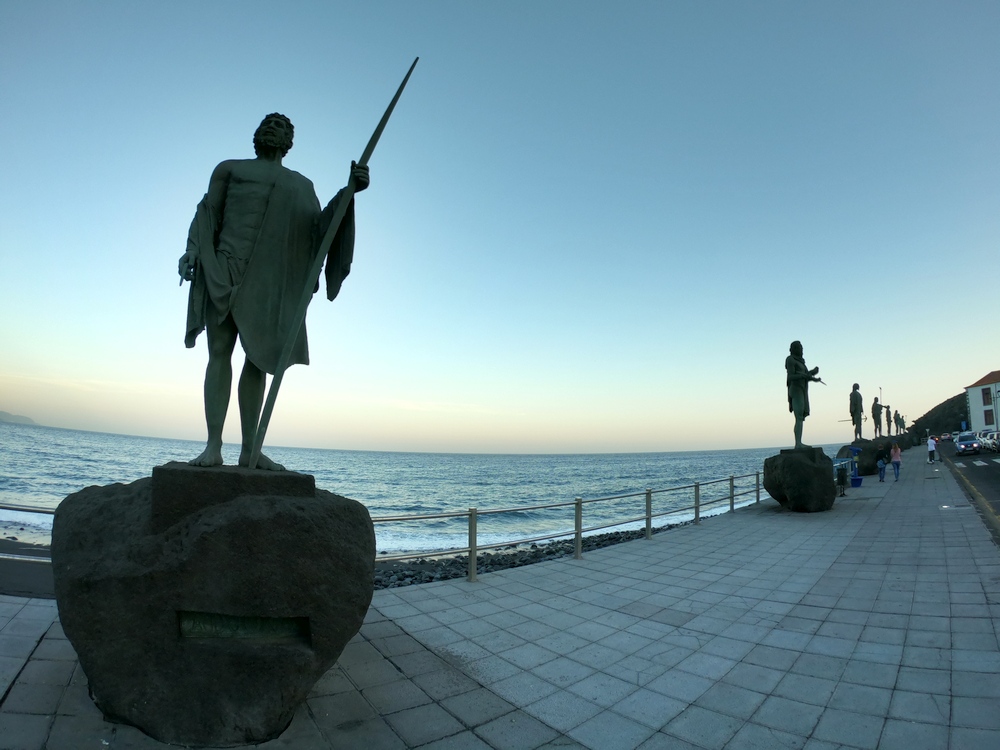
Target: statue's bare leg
(251, 394)
(798, 432)
(218, 384)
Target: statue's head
(876, 399)
(856, 386)
(796, 349)
(275, 131)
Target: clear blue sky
(590, 227)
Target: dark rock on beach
(212, 630)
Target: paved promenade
(872, 626)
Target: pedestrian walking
(931, 447)
(896, 454)
(881, 461)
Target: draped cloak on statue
(797, 381)
(262, 294)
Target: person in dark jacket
(881, 461)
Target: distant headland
(6, 416)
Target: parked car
(968, 442)
(954, 436)
(945, 436)
(986, 441)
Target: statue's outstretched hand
(185, 266)
(361, 177)
(814, 371)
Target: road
(980, 476)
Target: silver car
(968, 442)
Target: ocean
(39, 466)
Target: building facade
(982, 397)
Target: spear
(300, 314)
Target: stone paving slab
(874, 625)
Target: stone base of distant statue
(801, 479)
(863, 455)
(205, 603)
(867, 465)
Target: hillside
(945, 417)
(6, 416)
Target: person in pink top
(896, 456)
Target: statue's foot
(211, 456)
(802, 446)
(263, 462)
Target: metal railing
(28, 509)
(698, 507)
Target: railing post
(758, 486)
(649, 513)
(472, 546)
(697, 502)
(578, 526)
(732, 493)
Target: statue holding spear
(254, 254)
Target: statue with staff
(254, 254)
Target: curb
(986, 512)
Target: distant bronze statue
(888, 419)
(857, 409)
(797, 379)
(877, 417)
(251, 246)
(899, 423)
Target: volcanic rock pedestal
(205, 603)
(865, 456)
(801, 480)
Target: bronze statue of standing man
(798, 377)
(251, 245)
(857, 408)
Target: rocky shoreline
(389, 575)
